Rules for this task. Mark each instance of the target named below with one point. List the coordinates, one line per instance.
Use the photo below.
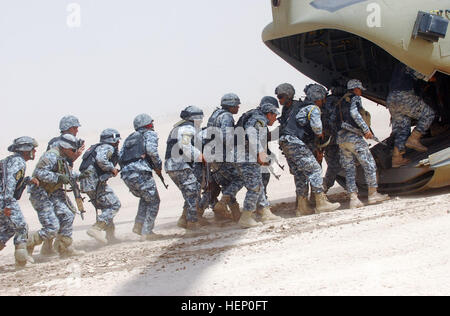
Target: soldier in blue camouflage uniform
(139, 158)
(353, 146)
(224, 171)
(55, 211)
(299, 127)
(12, 222)
(266, 175)
(249, 162)
(183, 162)
(99, 165)
(69, 124)
(404, 105)
(329, 120)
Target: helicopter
(333, 41)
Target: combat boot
(235, 211)
(268, 216)
(33, 241)
(63, 245)
(397, 159)
(110, 234)
(2, 245)
(97, 232)
(221, 208)
(413, 142)
(354, 201)
(182, 221)
(247, 220)
(21, 256)
(303, 208)
(201, 220)
(47, 248)
(375, 197)
(194, 228)
(137, 228)
(323, 205)
(151, 237)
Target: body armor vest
(58, 168)
(172, 142)
(292, 128)
(344, 108)
(90, 158)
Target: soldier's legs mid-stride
(405, 106)
(250, 173)
(56, 215)
(333, 166)
(144, 187)
(229, 178)
(358, 149)
(15, 226)
(303, 164)
(106, 201)
(190, 188)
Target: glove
(62, 178)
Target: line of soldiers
(196, 159)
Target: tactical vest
(133, 149)
(20, 178)
(212, 122)
(172, 142)
(245, 117)
(90, 159)
(344, 105)
(59, 168)
(292, 128)
(52, 142)
(285, 112)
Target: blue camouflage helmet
(271, 100)
(142, 120)
(69, 141)
(355, 83)
(230, 100)
(285, 89)
(67, 122)
(192, 113)
(269, 108)
(316, 92)
(23, 143)
(110, 136)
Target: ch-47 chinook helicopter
(338, 40)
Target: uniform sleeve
(185, 136)
(15, 171)
(151, 148)
(43, 171)
(226, 125)
(256, 132)
(104, 154)
(354, 112)
(312, 115)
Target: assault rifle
(75, 189)
(359, 132)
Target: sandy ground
(401, 247)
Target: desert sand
(400, 247)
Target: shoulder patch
(186, 140)
(20, 175)
(347, 99)
(259, 124)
